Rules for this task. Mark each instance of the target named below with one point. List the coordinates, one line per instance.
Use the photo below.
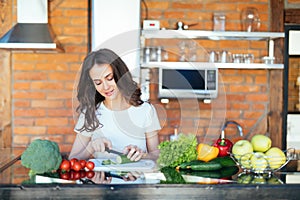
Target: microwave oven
(192, 82)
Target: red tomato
(90, 165)
(90, 174)
(72, 161)
(65, 165)
(76, 166)
(65, 175)
(82, 162)
(76, 175)
(82, 173)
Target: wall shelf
(194, 65)
(211, 35)
(217, 35)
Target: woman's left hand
(133, 152)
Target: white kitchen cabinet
(115, 24)
(293, 130)
(291, 116)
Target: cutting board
(143, 165)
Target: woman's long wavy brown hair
(89, 98)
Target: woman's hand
(132, 176)
(101, 178)
(99, 144)
(133, 152)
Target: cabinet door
(293, 131)
(5, 100)
(115, 24)
(294, 41)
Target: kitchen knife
(120, 153)
(114, 151)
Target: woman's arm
(152, 143)
(83, 147)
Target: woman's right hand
(101, 178)
(100, 144)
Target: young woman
(111, 112)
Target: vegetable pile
(173, 153)
(220, 167)
(41, 156)
(76, 165)
(185, 156)
(75, 169)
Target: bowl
(258, 162)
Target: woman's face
(103, 78)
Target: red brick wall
(243, 95)
(43, 82)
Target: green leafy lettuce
(173, 153)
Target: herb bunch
(173, 153)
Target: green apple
(274, 180)
(245, 178)
(245, 160)
(261, 143)
(259, 180)
(240, 148)
(275, 157)
(259, 162)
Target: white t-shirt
(124, 127)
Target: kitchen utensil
(204, 180)
(114, 151)
(143, 165)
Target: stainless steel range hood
(32, 30)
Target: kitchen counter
(15, 184)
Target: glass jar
(250, 19)
(238, 58)
(248, 58)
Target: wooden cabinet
(5, 100)
(5, 78)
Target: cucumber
(201, 166)
(206, 166)
(226, 161)
(187, 165)
(205, 174)
(212, 165)
(106, 162)
(229, 171)
(122, 159)
(225, 172)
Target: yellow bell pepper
(206, 152)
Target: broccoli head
(41, 156)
